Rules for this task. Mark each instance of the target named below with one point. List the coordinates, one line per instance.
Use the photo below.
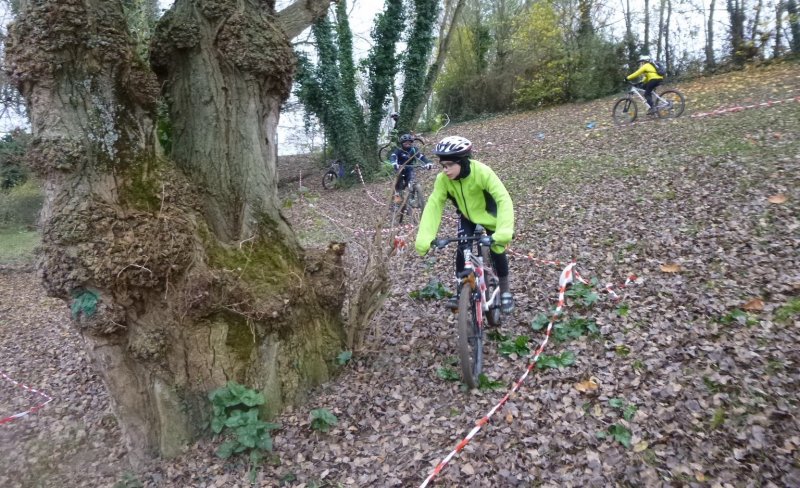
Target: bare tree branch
(301, 14)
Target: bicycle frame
(639, 92)
(475, 274)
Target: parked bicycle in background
(336, 172)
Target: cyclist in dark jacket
(404, 158)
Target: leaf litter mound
(689, 379)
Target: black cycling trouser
(405, 178)
(648, 91)
(467, 228)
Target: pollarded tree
(181, 274)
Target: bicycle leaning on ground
(669, 104)
(479, 297)
(335, 173)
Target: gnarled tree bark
(179, 276)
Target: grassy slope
(16, 245)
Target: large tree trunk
(169, 303)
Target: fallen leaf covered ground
(689, 379)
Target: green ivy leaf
(485, 383)
(344, 357)
(322, 419)
(621, 434)
(226, 449)
(616, 402)
(629, 412)
(540, 322)
(448, 374)
(567, 358)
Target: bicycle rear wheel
(329, 180)
(675, 104)
(470, 338)
(624, 111)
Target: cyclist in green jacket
(480, 198)
(651, 79)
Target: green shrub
(236, 414)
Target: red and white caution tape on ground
(47, 399)
(361, 177)
(739, 108)
(565, 279)
(568, 275)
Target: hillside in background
(688, 379)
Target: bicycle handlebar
(441, 243)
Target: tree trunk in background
(646, 26)
(445, 34)
(168, 309)
(777, 48)
(736, 14)
(710, 62)
(630, 41)
(661, 8)
(756, 19)
(794, 25)
(667, 46)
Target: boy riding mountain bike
(403, 160)
(480, 198)
(650, 79)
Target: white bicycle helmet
(453, 147)
(644, 58)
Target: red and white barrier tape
(361, 177)
(565, 279)
(39, 406)
(739, 108)
(568, 275)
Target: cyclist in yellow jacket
(480, 198)
(651, 79)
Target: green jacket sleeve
(505, 209)
(431, 216)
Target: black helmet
(453, 148)
(394, 115)
(406, 138)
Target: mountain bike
(409, 202)
(336, 172)
(669, 104)
(479, 296)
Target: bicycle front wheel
(672, 105)
(329, 180)
(470, 338)
(624, 111)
